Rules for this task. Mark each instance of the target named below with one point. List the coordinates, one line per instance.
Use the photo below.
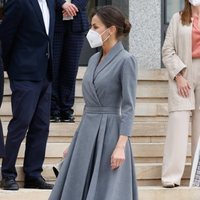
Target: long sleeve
(171, 60)
(9, 26)
(81, 4)
(60, 3)
(128, 84)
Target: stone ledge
(144, 172)
(145, 193)
(151, 74)
(141, 109)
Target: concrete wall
(145, 37)
(123, 5)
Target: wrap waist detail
(102, 110)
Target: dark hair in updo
(112, 16)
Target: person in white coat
(181, 56)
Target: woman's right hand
(183, 86)
(65, 152)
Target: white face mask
(95, 39)
(195, 2)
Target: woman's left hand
(70, 9)
(117, 158)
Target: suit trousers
(67, 49)
(175, 149)
(31, 112)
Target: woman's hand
(118, 157)
(69, 9)
(183, 86)
(65, 152)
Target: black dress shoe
(9, 183)
(55, 117)
(67, 117)
(38, 183)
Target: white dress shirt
(45, 14)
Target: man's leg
(24, 100)
(36, 140)
(73, 43)
(57, 52)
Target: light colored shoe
(169, 185)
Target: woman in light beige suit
(181, 56)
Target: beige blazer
(177, 57)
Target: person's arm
(69, 9)
(80, 4)
(183, 85)
(128, 84)
(60, 2)
(72, 8)
(9, 26)
(170, 58)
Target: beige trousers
(175, 148)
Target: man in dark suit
(68, 42)
(26, 34)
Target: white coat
(177, 57)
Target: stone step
(152, 84)
(179, 193)
(139, 160)
(149, 75)
(145, 75)
(25, 194)
(147, 141)
(143, 119)
(143, 132)
(145, 173)
(140, 129)
(141, 110)
(145, 193)
(145, 89)
(54, 151)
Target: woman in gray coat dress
(99, 163)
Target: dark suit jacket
(26, 47)
(80, 21)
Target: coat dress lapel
(111, 55)
(96, 68)
(93, 65)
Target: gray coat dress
(109, 90)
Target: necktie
(45, 14)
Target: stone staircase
(147, 141)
